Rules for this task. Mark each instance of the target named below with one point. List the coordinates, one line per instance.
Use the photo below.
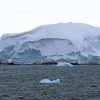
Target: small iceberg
(64, 64)
(49, 81)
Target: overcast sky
(23, 15)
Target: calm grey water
(21, 82)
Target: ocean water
(21, 82)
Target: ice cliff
(72, 42)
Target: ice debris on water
(64, 64)
(50, 81)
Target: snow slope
(73, 41)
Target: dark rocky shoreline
(21, 82)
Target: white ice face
(57, 41)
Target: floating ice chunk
(9, 60)
(49, 81)
(64, 64)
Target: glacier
(71, 42)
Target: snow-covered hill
(69, 41)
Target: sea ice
(64, 64)
(49, 81)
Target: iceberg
(50, 81)
(64, 64)
(71, 42)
